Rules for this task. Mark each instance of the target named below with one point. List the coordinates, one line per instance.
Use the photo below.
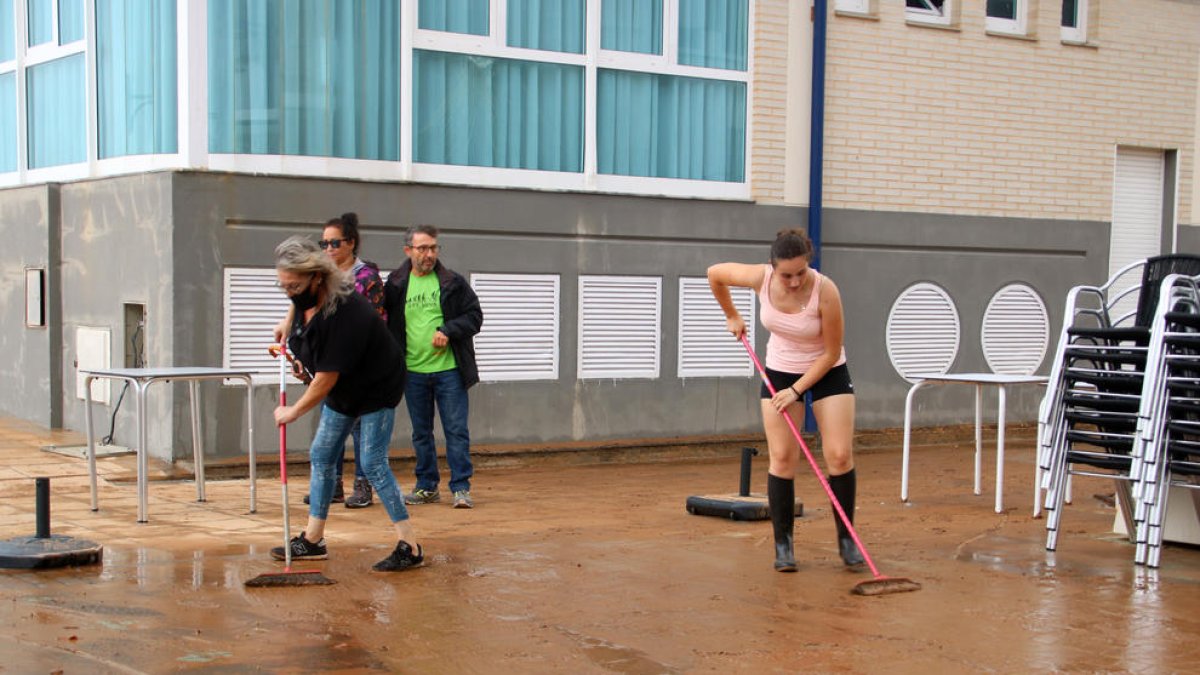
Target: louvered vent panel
(619, 325)
(1016, 331)
(922, 331)
(706, 349)
(253, 306)
(519, 339)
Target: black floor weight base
(740, 506)
(42, 550)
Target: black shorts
(836, 381)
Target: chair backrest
(1016, 331)
(922, 331)
(1155, 270)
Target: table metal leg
(908, 400)
(142, 449)
(979, 439)
(197, 440)
(91, 439)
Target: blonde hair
(301, 255)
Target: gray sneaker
(462, 500)
(420, 496)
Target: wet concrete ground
(592, 569)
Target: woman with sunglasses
(340, 240)
(358, 377)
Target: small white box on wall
(93, 351)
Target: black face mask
(305, 300)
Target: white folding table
(141, 379)
(979, 381)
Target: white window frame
(1077, 34)
(702, 324)
(258, 306)
(516, 334)
(856, 7)
(932, 17)
(1019, 25)
(619, 322)
(495, 45)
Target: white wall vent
(619, 326)
(519, 339)
(706, 349)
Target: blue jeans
(356, 434)
(330, 441)
(445, 388)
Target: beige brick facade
(960, 121)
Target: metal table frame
(141, 379)
(979, 380)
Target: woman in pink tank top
(802, 310)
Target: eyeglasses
(331, 243)
(294, 287)
(432, 248)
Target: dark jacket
(462, 316)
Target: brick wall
(959, 121)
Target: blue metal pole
(816, 155)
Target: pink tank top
(796, 340)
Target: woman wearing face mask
(358, 374)
(340, 240)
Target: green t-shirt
(422, 317)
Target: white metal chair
(923, 339)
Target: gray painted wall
(164, 239)
(31, 366)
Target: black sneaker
(302, 549)
(401, 559)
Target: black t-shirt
(355, 343)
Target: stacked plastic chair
(1169, 435)
(1089, 419)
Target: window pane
(41, 21)
(57, 129)
(553, 25)
(8, 31)
(1070, 14)
(318, 78)
(8, 122)
(136, 77)
(713, 33)
(454, 16)
(934, 7)
(479, 111)
(1002, 9)
(670, 127)
(70, 21)
(632, 26)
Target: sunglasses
(331, 243)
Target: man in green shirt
(434, 314)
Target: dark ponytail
(348, 223)
(791, 243)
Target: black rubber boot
(781, 498)
(844, 488)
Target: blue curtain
(8, 122)
(454, 16)
(56, 112)
(41, 21)
(552, 25)
(670, 127)
(305, 77)
(70, 20)
(136, 77)
(632, 26)
(713, 33)
(8, 31)
(479, 111)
